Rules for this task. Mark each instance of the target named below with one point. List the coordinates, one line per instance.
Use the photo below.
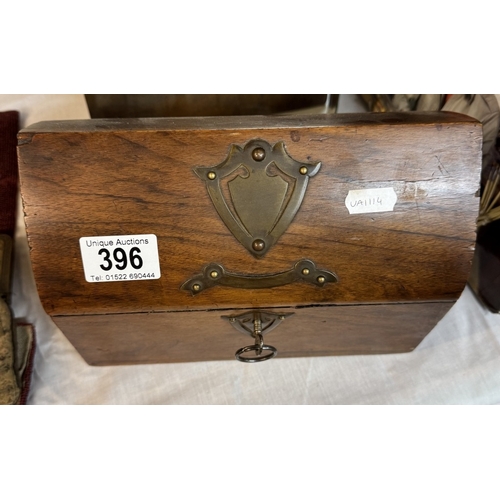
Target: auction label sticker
(120, 258)
(367, 201)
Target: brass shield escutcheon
(257, 190)
(262, 189)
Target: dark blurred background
(175, 105)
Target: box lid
(385, 203)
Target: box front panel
(107, 339)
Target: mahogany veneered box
(172, 240)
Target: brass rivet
(258, 154)
(281, 318)
(321, 279)
(258, 245)
(305, 271)
(214, 274)
(211, 175)
(303, 170)
(196, 288)
(232, 320)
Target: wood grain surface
(107, 339)
(113, 177)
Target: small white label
(120, 258)
(367, 201)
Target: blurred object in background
(378, 103)
(177, 105)
(17, 339)
(418, 102)
(485, 275)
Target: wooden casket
(190, 239)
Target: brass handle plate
(215, 275)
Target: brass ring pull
(256, 348)
(255, 324)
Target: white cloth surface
(457, 363)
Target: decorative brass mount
(256, 323)
(214, 274)
(257, 190)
